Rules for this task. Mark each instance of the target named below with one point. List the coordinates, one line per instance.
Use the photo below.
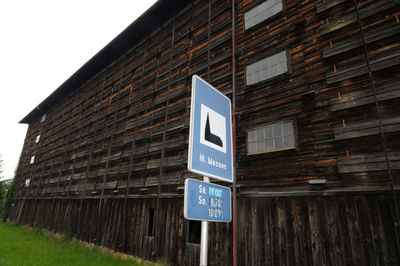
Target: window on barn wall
(262, 12)
(272, 137)
(43, 118)
(194, 234)
(32, 159)
(150, 223)
(37, 138)
(27, 182)
(267, 68)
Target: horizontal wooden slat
(383, 61)
(387, 91)
(326, 5)
(367, 128)
(368, 162)
(373, 35)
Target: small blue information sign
(207, 202)
(210, 136)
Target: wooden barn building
(316, 92)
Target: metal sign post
(204, 236)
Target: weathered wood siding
(327, 230)
(328, 92)
(116, 147)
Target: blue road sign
(207, 202)
(210, 139)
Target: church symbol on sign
(212, 129)
(210, 136)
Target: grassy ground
(21, 246)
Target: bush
(6, 202)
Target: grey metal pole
(204, 236)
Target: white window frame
(37, 138)
(270, 137)
(269, 67)
(32, 159)
(27, 182)
(262, 12)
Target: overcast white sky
(42, 43)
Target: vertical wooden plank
(282, 232)
(121, 221)
(377, 233)
(324, 237)
(344, 231)
(167, 228)
(275, 233)
(103, 215)
(289, 233)
(136, 227)
(268, 225)
(114, 228)
(180, 234)
(298, 227)
(241, 232)
(160, 233)
(260, 223)
(248, 241)
(354, 232)
(306, 232)
(134, 217)
(364, 216)
(335, 253)
(314, 232)
(388, 228)
(254, 231)
(173, 233)
(143, 224)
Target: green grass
(20, 246)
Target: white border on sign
(190, 152)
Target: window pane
(288, 141)
(288, 128)
(252, 135)
(269, 144)
(268, 132)
(274, 70)
(279, 143)
(257, 77)
(260, 134)
(260, 146)
(249, 78)
(252, 147)
(277, 130)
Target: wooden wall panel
(313, 231)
